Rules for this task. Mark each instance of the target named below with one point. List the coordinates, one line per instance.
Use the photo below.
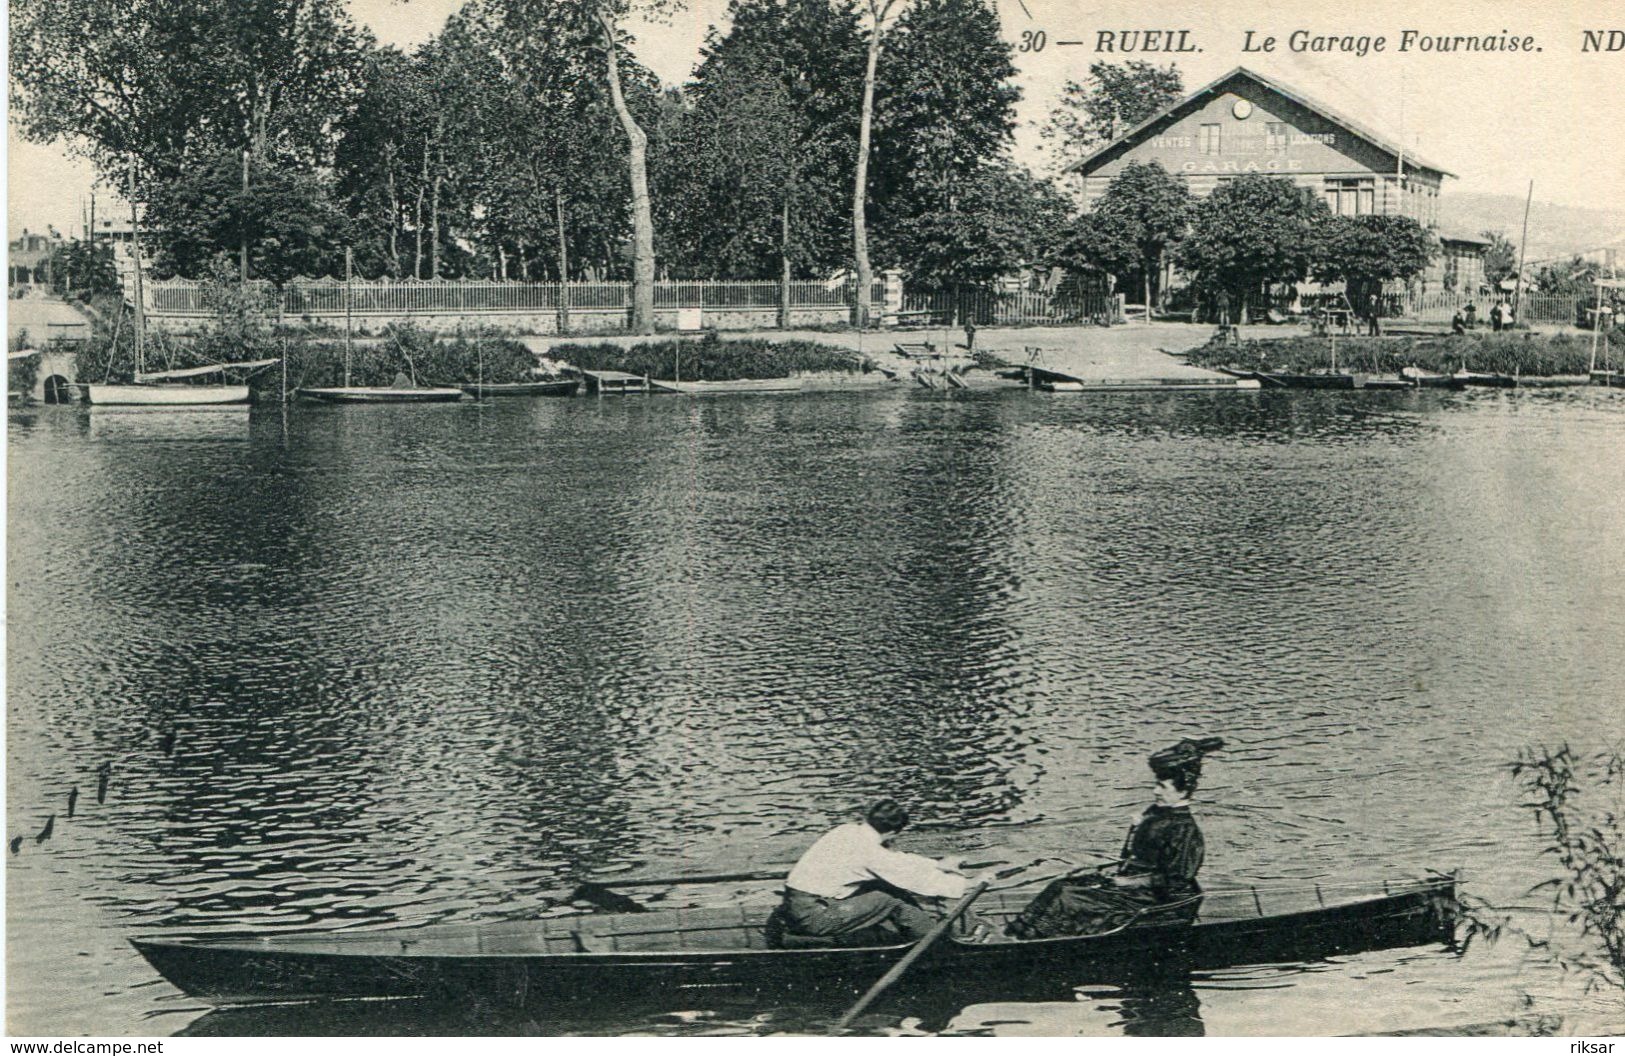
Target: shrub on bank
(710, 358)
(1537, 355)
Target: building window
(1210, 139)
(1275, 136)
(1357, 197)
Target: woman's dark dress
(1164, 844)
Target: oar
(914, 954)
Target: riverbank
(1519, 353)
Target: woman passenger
(1155, 881)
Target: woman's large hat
(1184, 757)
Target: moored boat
(560, 959)
(1423, 379)
(1486, 379)
(712, 388)
(382, 394)
(553, 387)
(172, 388)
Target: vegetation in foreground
(710, 359)
(1578, 800)
(316, 362)
(1534, 355)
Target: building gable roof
(1140, 131)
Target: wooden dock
(615, 383)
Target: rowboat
(715, 388)
(383, 394)
(1485, 379)
(1327, 380)
(555, 387)
(584, 957)
(1423, 379)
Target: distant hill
(1554, 230)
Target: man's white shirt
(851, 855)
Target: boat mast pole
(348, 258)
(1523, 246)
(135, 260)
(1596, 328)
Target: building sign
(1250, 144)
(1232, 165)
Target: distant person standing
(1373, 308)
(1458, 323)
(1471, 312)
(1222, 302)
(1497, 316)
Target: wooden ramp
(615, 383)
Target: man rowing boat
(1156, 878)
(850, 889)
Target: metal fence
(993, 308)
(327, 297)
(1440, 306)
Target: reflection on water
(357, 666)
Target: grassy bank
(317, 361)
(1536, 355)
(710, 359)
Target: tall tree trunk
(434, 210)
(643, 228)
(784, 263)
(524, 263)
(860, 183)
(417, 215)
(394, 213)
(564, 263)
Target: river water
(403, 665)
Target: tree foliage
(286, 217)
(1113, 99)
(1150, 210)
(1500, 259)
(1578, 802)
(767, 139)
(999, 218)
(163, 82)
(1251, 231)
(1365, 251)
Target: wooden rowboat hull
(382, 394)
(567, 387)
(165, 395)
(594, 958)
(716, 388)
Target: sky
(1498, 120)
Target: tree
(1111, 101)
(999, 219)
(1363, 252)
(1251, 231)
(878, 13)
(945, 113)
(83, 269)
(164, 82)
(767, 143)
(1149, 208)
(1095, 248)
(287, 218)
(1567, 278)
(1500, 259)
